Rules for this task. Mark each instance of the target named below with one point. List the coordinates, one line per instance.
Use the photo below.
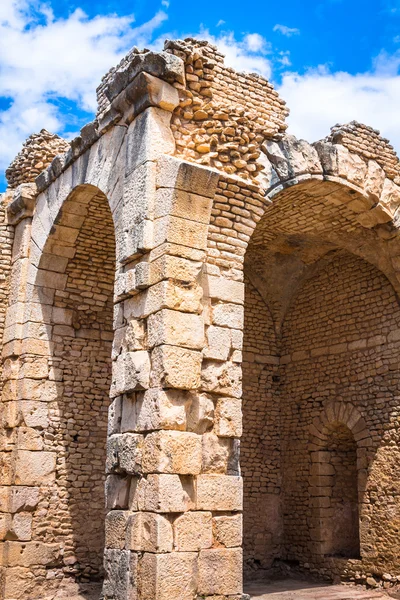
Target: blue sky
(333, 60)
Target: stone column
(24, 465)
(173, 488)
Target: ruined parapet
(369, 144)
(223, 116)
(37, 153)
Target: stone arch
(64, 374)
(345, 205)
(336, 480)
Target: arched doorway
(76, 280)
(318, 317)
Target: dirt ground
(302, 590)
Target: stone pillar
(173, 488)
(24, 465)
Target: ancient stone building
(185, 274)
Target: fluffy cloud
(319, 99)
(285, 30)
(247, 54)
(44, 59)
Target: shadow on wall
(316, 487)
(79, 262)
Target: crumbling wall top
(36, 154)
(368, 143)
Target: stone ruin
(183, 276)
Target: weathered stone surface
(172, 452)
(176, 328)
(219, 492)
(149, 532)
(120, 580)
(193, 531)
(131, 371)
(227, 530)
(174, 367)
(220, 571)
(155, 409)
(166, 576)
(165, 494)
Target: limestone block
(149, 532)
(22, 498)
(227, 530)
(117, 491)
(374, 179)
(220, 455)
(292, 157)
(32, 389)
(175, 367)
(138, 196)
(21, 527)
(168, 576)
(175, 173)
(228, 417)
(115, 528)
(5, 525)
(124, 453)
(114, 416)
(193, 531)
(120, 577)
(182, 204)
(277, 158)
(155, 409)
(29, 439)
(17, 582)
(219, 492)
(174, 267)
(218, 343)
(26, 554)
(390, 197)
(221, 288)
(165, 494)
(145, 91)
(222, 378)
(129, 338)
(228, 315)
(220, 571)
(131, 371)
(134, 241)
(162, 65)
(149, 137)
(34, 414)
(200, 414)
(351, 166)
(165, 294)
(175, 328)
(172, 452)
(174, 295)
(125, 284)
(35, 468)
(180, 231)
(328, 156)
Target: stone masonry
(181, 278)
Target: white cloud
(247, 54)
(255, 42)
(319, 99)
(43, 59)
(220, 23)
(285, 30)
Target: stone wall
(261, 445)
(338, 346)
(305, 228)
(37, 153)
